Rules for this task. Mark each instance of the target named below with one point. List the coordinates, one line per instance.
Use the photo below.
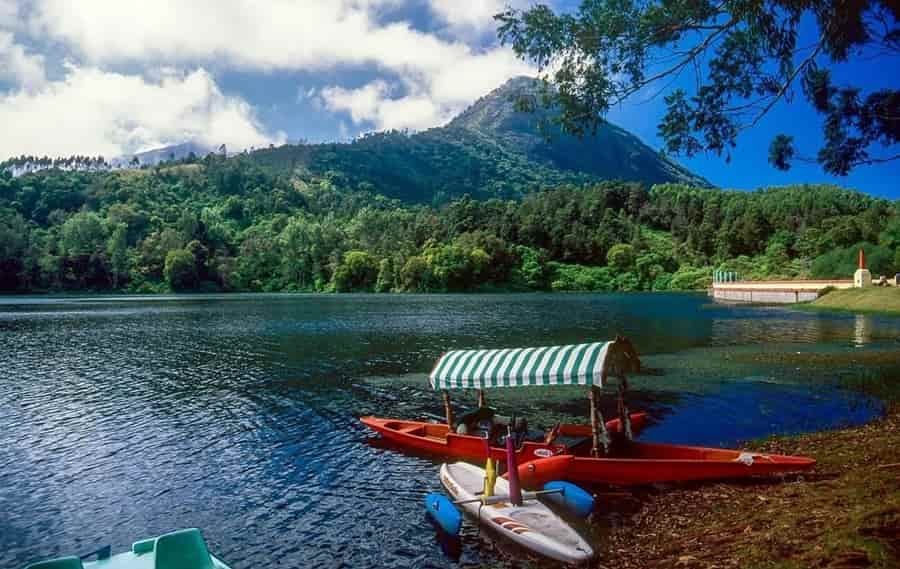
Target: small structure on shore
(729, 288)
(862, 277)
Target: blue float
(444, 512)
(570, 497)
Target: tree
(82, 234)
(117, 252)
(387, 276)
(201, 256)
(533, 268)
(14, 233)
(358, 272)
(747, 56)
(180, 270)
(416, 275)
(621, 257)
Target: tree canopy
(747, 55)
(231, 225)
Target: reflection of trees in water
(783, 326)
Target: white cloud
(436, 77)
(362, 103)
(471, 14)
(91, 111)
(425, 78)
(430, 99)
(23, 69)
(312, 34)
(372, 104)
(9, 14)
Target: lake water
(123, 418)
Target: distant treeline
(234, 225)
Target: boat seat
(70, 562)
(143, 546)
(479, 414)
(183, 549)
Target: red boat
(607, 452)
(437, 439)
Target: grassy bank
(874, 299)
(845, 514)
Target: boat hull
(630, 463)
(182, 548)
(531, 525)
(651, 463)
(129, 560)
(436, 439)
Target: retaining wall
(774, 292)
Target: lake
(126, 417)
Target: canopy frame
(578, 364)
(460, 370)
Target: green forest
(233, 224)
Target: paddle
(512, 470)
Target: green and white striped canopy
(578, 364)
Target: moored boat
(638, 463)
(607, 453)
(182, 549)
(530, 524)
(438, 439)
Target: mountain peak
(611, 152)
(495, 108)
(489, 150)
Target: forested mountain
(491, 150)
(234, 225)
(486, 202)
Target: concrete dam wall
(773, 292)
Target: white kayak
(532, 525)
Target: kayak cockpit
(418, 429)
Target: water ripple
(126, 417)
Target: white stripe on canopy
(579, 364)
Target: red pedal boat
(607, 454)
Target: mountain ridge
(491, 149)
(548, 142)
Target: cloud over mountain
(100, 112)
(422, 63)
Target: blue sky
(95, 77)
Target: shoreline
(843, 514)
(190, 294)
(871, 300)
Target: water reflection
(862, 330)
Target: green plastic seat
(182, 549)
(143, 546)
(70, 562)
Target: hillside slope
(489, 150)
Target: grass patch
(885, 300)
(845, 514)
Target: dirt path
(845, 514)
